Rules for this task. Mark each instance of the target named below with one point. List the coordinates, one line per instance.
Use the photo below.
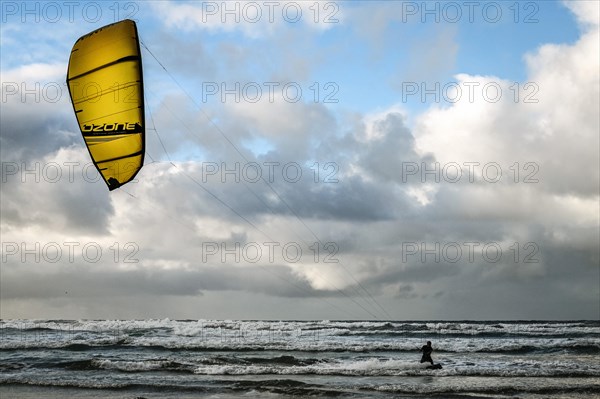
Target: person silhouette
(427, 349)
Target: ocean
(136, 359)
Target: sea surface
(282, 359)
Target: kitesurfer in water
(427, 349)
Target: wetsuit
(426, 349)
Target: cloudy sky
(311, 160)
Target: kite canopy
(105, 83)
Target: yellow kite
(105, 83)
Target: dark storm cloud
(79, 207)
(102, 280)
(384, 157)
(47, 179)
(350, 199)
(335, 193)
(32, 129)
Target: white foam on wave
(298, 335)
(371, 366)
(145, 365)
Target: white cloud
(253, 19)
(35, 72)
(587, 12)
(552, 124)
